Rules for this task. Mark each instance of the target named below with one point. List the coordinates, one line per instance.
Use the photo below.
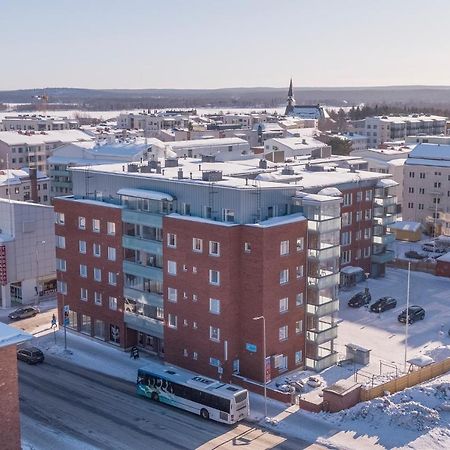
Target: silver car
(24, 313)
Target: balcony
(322, 363)
(145, 324)
(385, 219)
(142, 218)
(151, 273)
(325, 253)
(383, 258)
(323, 310)
(389, 200)
(331, 279)
(384, 239)
(320, 336)
(146, 245)
(147, 298)
(324, 226)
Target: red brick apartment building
(9, 387)
(181, 260)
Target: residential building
(20, 149)
(426, 187)
(9, 386)
(380, 129)
(154, 121)
(20, 184)
(280, 149)
(37, 122)
(27, 252)
(196, 238)
(414, 140)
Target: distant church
(303, 111)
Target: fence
(408, 380)
(416, 266)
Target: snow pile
(439, 353)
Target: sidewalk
(285, 420)
(44, 305)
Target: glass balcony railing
(326, 281)
(325, 253)
(386, 201)
(331, 224)
(322, 363)
(320, 336)
(323, 310)
(147, 325)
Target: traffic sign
(66, 308)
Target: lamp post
(264, 362)
(38, 285)
(407, 314)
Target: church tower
(290, 101)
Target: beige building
(426, 187)
(37, 122)
(17, 184)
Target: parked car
(31, 355)
(24, 313)
(383, 304)
(415, 313)
(360, 299)
(433, 247)
(412, 254)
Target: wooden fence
(416, 266)
(408, 380)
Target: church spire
(290, 100)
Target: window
(85, 324)
(420, 205)
(83, 294)
(411, 190)
(60, 242)
(172, 320)
(172, 294)
(171, 267)
(283, 333)
(367, 233)
(99, 329)
(96, 225)
(171, 240)
(97, 274)
(298, 357)
(410, 205)
(214, 306)
(112, 278)
(82, 246)
(113, 303)
(368, 196)
(247, 247)
(111, 228)
(298, 326)
(214, 362)
(214, 248)
(195, 355)
(346, 256)
(284, 304)
(111, 254)
(197, 245)
(83, 270)
(437, 184)
(284, 248)
(97, 298)
(299, 299)
(61, 287)
(194, 269)
(346, 219)
(59, 218)
(228, 215)
(96, 250)
(422, 175)
(359, 196)
(421, 190)
(194, 297)
(82, 223)
(300, 244)
(214, 333)
(358, 216)
(284, 276)
(368, 214)
(347, 199)
(299, 271)
(214, 277)
(346, 238)
(366, 252)
(186, 209)
(194, 325)
(61, 265)
(411, 174)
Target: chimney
(180, 174)
(32, 171)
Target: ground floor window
(114, 334)
(73, 320)
(85, 324)
(99, 329)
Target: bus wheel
(204, 414)
(155, 397)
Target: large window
(113, 303)
(172, 294)
(214, 306)
(99, 329)
(111, 228)
(214, 277)
(284, 248)
(83, 294)
(171, 240)
(60, 242)
(82, 223)
(171, 267)
(284, 276)
(85, 324)
(284, 304)
(299, 327)
(214, 248)
(214, 333)
(61, 265)
(300, 244)
(59, 218)
(98, 298)
(83, 270)
(96, 250)
(82, 246)
(97, 274)
(111, 254)
(112, 278)
(197, 245)
(172, 320)
(96, 225)
(283, 333)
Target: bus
(209, 398)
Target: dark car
(31, 355)
(383, 304)
(360, 299)
(412, 254)
(24, 313)
(415, 313)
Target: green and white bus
(209, 398)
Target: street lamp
(407, 313)
(38, 285)
(264, 362)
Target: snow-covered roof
(144, 193)
(201, 220)
(444, 258)
(431, 151)
(280, 220)
(386, 182)
(16, 176)
(206, 142)
(351, 269)
(421, 361)
(41, 138)
(11, 336)
(331, 191)
(406, 226)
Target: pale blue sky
(228, 43)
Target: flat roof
(12, 336)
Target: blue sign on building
(250, 347)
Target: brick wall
(9, 400)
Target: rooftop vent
(212, 175)
(133, 168)
(171, 162)
(287, 171)
(153, 164)
(263, 164)
(208, 158)
(180, 174)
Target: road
(64, 406)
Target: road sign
(66, 308)
(250, 347)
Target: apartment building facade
(19, 185)
(426, 191)
(37, 122)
